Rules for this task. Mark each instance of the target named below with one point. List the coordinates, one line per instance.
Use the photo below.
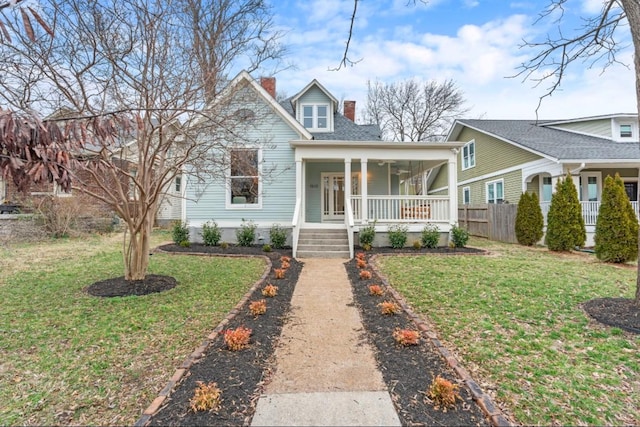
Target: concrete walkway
(326, 373)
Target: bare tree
(139, 110)
(413, 111)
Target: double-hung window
(466, 195)
(469, 155)
(244, 178)
(316, 117)
(495, 191)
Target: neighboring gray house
(503, 158)
(313, 168)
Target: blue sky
(474, 42)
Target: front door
(332, 196)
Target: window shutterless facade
(495, 191)
(316, 117)
(469, 155)
(243, 182)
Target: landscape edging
(199, 351)
(483, 400)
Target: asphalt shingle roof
(558, 144)
(344, 129)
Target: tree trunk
(632, 10)
(136, 254)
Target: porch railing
(589, 211)
(402, 208)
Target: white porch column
(364, 190)
(299, 180)
(347, 182)
(453, 187)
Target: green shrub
(224, 245)
(266, 247)
(211, 234)
(430, 236)
(616, 238)
(529, 220)
(246, 234)
(278, 236)
(417, 245)
(565, 225)
(459, 236)
(398, 236)
(366, 236)
(180, 232)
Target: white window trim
(584, 191)
(541, 187)
(501, 180)
(471, 164)
(315, 127)
(246, 206)
(626, 138)
(466, 190)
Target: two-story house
(504, 158)
(311, 169)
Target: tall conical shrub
(529, 220)
(565, 225)
(616, 236)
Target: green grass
(67, 357)
(514, 317)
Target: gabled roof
(552, 143)
(343, 128)
(316, 83)
(244, 76)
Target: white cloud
(479, 58)
(592, 7)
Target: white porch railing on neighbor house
(402, 208)
(589, 211)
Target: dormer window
(316, 117)
(626, 131)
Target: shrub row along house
(504, 158)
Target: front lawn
(70, 358)
(514, 319)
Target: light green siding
(512, 188)
(441, 181)
(601, 127)
(492, 155)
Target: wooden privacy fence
(493, 221)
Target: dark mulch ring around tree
(409, 371)
(238, 374)
(616, 312)
(120, 287)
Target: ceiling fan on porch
(385, 162)
(398, 171)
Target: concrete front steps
(323, 243)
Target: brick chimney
(350, 110)
(269, 84)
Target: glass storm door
(332, 197)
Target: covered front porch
(348, 185)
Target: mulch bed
(119, 287)
(409, 371)
(239, 374)
(617, 312)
